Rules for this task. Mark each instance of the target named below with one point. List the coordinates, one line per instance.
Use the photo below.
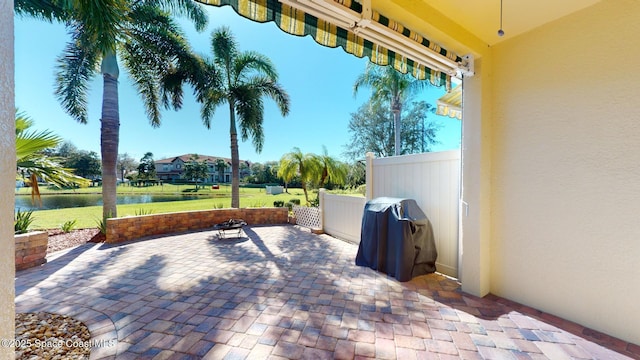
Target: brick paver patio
(282, 292)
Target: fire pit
(233, 225)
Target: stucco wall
(7, 180)
(566, 168)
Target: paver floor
(281, 292)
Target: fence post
(321, 193)
(369, 176)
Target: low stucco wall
(31, 249)
(135, 227)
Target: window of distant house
(177, 166)
(165, 167)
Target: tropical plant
(143, 211)
(220, 166)
(331, 169)
(295, 163)
(151, 46)
(241, 80)
(68, 225)
(22, 221)
(32, 162)
(391, 87)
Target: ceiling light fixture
(500, 31)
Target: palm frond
(186, 8)
(225, 51)
(102, 21)
(41, 9)
(251, 60)
(76, 66)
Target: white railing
(433, 180)
(342, 215)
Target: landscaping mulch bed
(59, 240)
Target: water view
(23, 202)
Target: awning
(451, 103)
(358, 30)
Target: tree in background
(33, 163)
(126, 165)
(370, 129)
(391, 88)
(418, 134)
(85, 163)
(296, 163)
(241, 80)
(147, 167)
(150, 44)
(196, 170)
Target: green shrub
(68, 225)
(278, 203)
(22, 221)
(362, 189)
(219, 206)
(315, 202)
(295, 201)
(289, 206)
(102, 224)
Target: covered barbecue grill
(397, 239)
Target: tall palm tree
(33, 163)
(150, 44)
(307, 166)
(392, 87)
(241, 80)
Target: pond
(23, 202)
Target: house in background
(172, 169)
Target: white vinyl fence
(342, 215)
(431, 179)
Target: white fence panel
(342, 215)
(433, 180)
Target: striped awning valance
(295, 17)
(450, 104)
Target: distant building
(172, 169)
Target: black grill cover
(397, 239)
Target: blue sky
(319, 81)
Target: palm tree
(150, 45)
(390, 86)
(307, 166)
(331, 169)
(220, 166)
(32, 162)
(241, 80)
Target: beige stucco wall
(566, 168)
(7, 180)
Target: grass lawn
(88, 217)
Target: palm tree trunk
(235, 160)
(109, 135)
(304, 188)
(396, 108)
